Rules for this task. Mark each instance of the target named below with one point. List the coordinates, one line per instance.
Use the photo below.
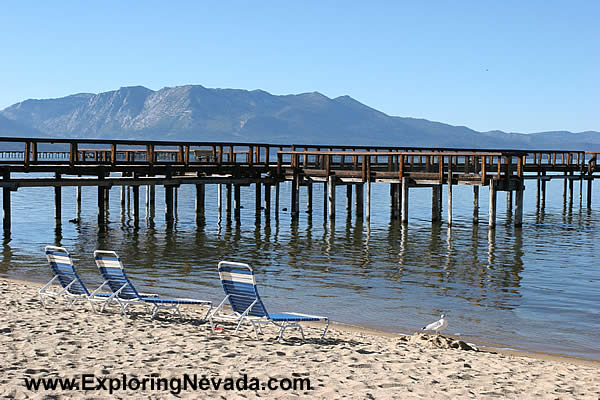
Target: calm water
(535, 288)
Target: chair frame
(257, 321)
(65, 292)
(142, 298)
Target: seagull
(437, 326)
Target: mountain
(196, 113)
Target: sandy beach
(59, 341)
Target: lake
(535, 287)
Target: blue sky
(511, 65)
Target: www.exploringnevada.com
(91, 382)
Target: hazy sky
(516, 66)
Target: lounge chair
(72, 287)
(241, 292)
(124, 292)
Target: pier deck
(129, 163)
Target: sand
(59, 341)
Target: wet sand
(350, 362)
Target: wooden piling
(78, 202)
(492, 204)
(368, 204)
(538, 192)
(136, 204)
(589, 192)
(6, 217)
(543, 194)
(175, 200)
(220, 200)
(404, 199)
(509, 200)
(152, 200)
(519, 207)
(277, 200)
(199, 203)
(228, 201)
(571, 190)
(325, 202)
(101, 204)
(257, 198)
(169, 203)
(309, 197)
(450, 191)
(294, 197)
(476, 204)
(359, 199)
(331, 196)
(349, 199)
(267, 201)
(57, 202)
(237, 203)
(436, 193)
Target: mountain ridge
(197, 113)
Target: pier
(130, 164)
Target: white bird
(437, 326)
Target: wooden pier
(132, 164)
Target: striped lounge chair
(65, 276)
(241, 292)
(124, 292)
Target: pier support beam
(538, 191)
(404, 199)
(368, 203)
(492, 203)
(57, 202)
(436, 212)
(476, 204)
(509, 200)
(331, 196)
(258, 199)
(589, 193)
(169, 204)
(220, 200)
(6, 217)
(277, 200)
(309, 197)
(325, 191)
(565, 192)
(152, 200)
(101, 204)
(359, 199)
(267, 201)
(237, 203)
(519, 207)
(78, 202)
(123, 189)
(175, 199)
(349, 199)
(228, 201)
(394, 200)
(293, 196)
(199, 204)
(136, 205)
(571, 190)
(543, 194)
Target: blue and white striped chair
(124, 293)
(72, 287)
(241, 292)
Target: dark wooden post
(57, 201)
(169, 214)
(136, 204)
(309, 197)
(404, 199)
(228, 201)
(476, 204)
(492, 205)
(200, 196)
(237, 205)
(6, 217)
